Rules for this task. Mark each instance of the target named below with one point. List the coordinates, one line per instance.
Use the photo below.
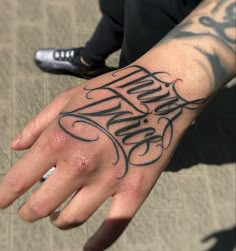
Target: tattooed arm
(209, 34)
(112, 136)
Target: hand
(109, 137)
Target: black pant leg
(108, 35)
(147, 22)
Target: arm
(208, 34)
(116, 133)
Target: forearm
(200, 50)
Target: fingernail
(16, 140)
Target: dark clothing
(135, 26)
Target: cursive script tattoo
(133, 98)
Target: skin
(111, 137)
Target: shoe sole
(60, 72)
(79, 75)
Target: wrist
(200, 50)
(181, 63)
(189, 62)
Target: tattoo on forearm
(222, 30)
(137, 114)
(218, 5)
(221, 27)
(217, 28)
(218, 70)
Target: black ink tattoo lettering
(221, 28)
(134, 97)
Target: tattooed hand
(112, 138)
(136, 114)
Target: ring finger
(80, 208)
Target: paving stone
(72, 240)
(30, 11)
(6, 22)
(29, 39)
(59, 26)
(30, 237)
(6, 72)
(222, 183)
(58, 84)
(6, 211)
(85, 23)
(5, 122)
(29, 100)
(226, 220)
(198, 205)
(142, 234)
(4, 227)
(166, 193)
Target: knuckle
(56, 140)
(15, 182)
(139, 187)
(4, 203)
(32, 125)
(81, 166)
(39, 209)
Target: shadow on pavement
(212, 139)
(225, 240)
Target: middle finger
(52, 193)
